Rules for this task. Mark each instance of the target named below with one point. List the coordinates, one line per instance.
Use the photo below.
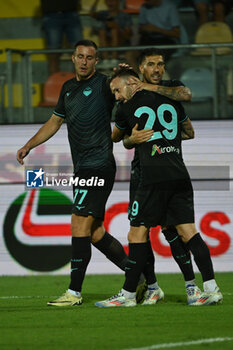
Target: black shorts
(91, 191)
(163, 204)
(134, 184)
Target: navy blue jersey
(86, 106)
(135, 169)
(161, 156)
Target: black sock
(135, 265)
(113, 250)
(81, 255)
(201, 256)
(180, 253)
(149, 270)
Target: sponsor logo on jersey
(87, 91)
(160, 150)
(155, 149)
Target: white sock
(128, 295)
(77, 294)
(190, 283)
(153, 286)
(209, 286)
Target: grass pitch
(27, 323)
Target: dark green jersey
(160, 157)
(86, 106)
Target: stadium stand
(53, 86)
(21, 29)
(133, 6)
(200, 81)
(213, 32)
(230, 85)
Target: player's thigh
(81, 225)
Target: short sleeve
(183, 115)
(120, 120)
(60, 107)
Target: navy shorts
(163, 204)
(91, 191)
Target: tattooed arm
(187, 131)
(177, 93)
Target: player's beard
(85, 72)
(129, 93)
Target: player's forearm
(187, 131)
(117, 134)
(177, 93)
(44, 134)
(128, 143)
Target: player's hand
(135, 84)
(122, 65)
(140, 136)
(21, 154)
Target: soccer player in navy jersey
(164, 195)
(152, 67)
(85, 103)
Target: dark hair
(123, 73)
(149, 52)
(86, 43)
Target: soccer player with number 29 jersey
(165, 194)
(152, 67)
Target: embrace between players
(151, 119)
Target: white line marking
(45, 296)
(174, 345)
(29, 297)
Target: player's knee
(170, 233)
(80, 226)
(97, 235)
(138, 234)
(186, 231)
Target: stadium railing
(26, 73)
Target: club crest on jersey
(87, 91)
